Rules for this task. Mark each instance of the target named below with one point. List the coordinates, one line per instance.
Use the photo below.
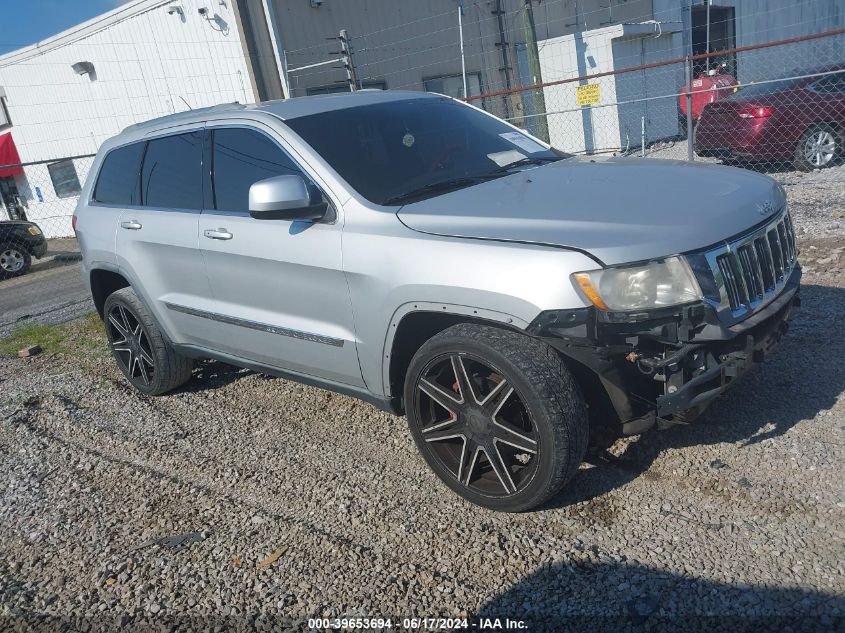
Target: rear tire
(510, 399)
(146, 358)
(819, 147)
(14, 260)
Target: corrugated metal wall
(402, 42)
(760, 21)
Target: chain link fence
(37, 201)
(754, 85)
(777, 105)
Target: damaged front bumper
(666, 367)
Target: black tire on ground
(145, 357)
(823, 136)
(549, 406)
(12, 256)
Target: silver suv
(422, 255)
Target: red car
(799, 120)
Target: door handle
(132, 225)
(218, 234)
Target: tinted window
(172, 173)
(119, 177)
(241, 158)
(831, 83)
(763, 89)
(453, 85)
(386, 150)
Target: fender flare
(482, 314)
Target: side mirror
(284, 198)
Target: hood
(619, 210)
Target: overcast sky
(25, 22)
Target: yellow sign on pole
(587, 94)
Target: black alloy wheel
(148, 360)
(477, 425)
(131, 345)
(496, 415)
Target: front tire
(146, 358)
(496, 415)
(819, 147)
(14, 261)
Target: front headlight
(34, 230)
(654, 285)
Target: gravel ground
(119, 511)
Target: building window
(5, 121)
(453, 85)
(344, 87)
(65, 180)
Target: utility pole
(499, 12)
(686, 18)
(707, 38)
(534, 67)
(346, 58)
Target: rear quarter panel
(96, 226)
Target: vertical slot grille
(790, 234)
(731, 280)
(754, 268)
(751, 272)
(777, 254)
(764, 256)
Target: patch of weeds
(47, 336)
(81, 337)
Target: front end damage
(665, 367)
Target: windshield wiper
(441, 186)
(529, 160)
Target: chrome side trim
(255, 325)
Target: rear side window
(172, 173)
(118, 182)
(243, 157)
(831, 84)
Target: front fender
(393, 271)
(439, 308)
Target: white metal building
(67, 94)
(575, 129)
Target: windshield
(400, 151)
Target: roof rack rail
(185, 115)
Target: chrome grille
(751, 270)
